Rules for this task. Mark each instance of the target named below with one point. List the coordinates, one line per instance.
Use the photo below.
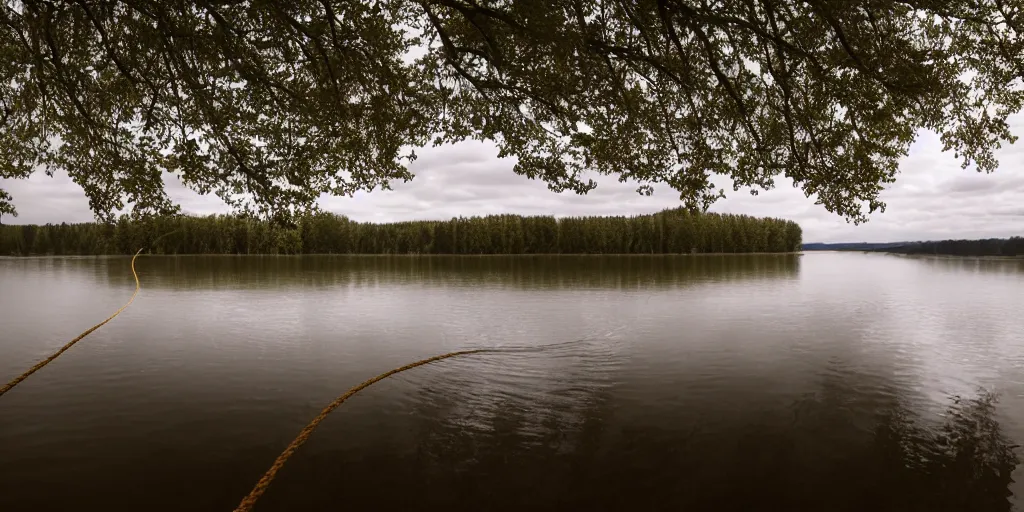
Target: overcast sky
(932, 197)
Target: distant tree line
(987, 247)
(852, 246)
(670, 231)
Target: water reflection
(1006, 266)
(735, 386)
(489, 435)
(527, 272)
(966, 463)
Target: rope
(261, 486)
(17, 380)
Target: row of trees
(988, 247)
(670, 231)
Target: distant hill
(988, 247)
(855, 246)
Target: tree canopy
(673, 231)
(271, 103)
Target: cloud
(1010, 212)
(932, 198)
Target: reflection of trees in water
(619, 272)
(965, 464)
(555, 446)
(873, 444)
(587, 434)
(581, 456)
(1007, 267)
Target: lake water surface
(828, 381)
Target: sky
(932, 198)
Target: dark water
(830, 381)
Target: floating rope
(10, 385)
(261, 486)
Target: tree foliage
(270, 104)
(670, 231)
(6, 208)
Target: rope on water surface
(261, 486)
(17, 380)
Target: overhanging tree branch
(283, 101)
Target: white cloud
(933, 198)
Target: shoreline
(414, 255)
(957, 257)
(929, 256)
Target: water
(819, 382)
